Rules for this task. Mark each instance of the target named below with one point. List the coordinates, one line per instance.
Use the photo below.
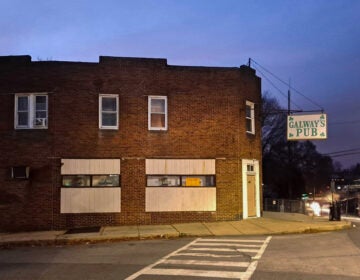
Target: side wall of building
(206, 120)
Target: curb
(62, 240)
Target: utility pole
(289, 150)
(289, 96)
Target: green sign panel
(307, 127)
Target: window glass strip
(158, 105)
(110, 180)
(23, 103)
(105, 181)
(109, 104)
(163, 180)
(181, 181)
(76, 181)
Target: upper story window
(250, 117)
(157, 113)
(108, 111)
(31, 111)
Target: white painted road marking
(227, 245)
(224, 250)
(178, 262)
(215, 263)
(149, 267)
(198, 273)
(233, 240)
(206, 255)
(262, 249)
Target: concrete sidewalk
(271, 223)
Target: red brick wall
(206, 119)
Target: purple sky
(313, 44)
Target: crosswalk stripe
(207, 255)
(224, 250)
(262, 249)
(233, 240)
(207, 246)
(247, 250)
(228, 245)
(197, 273)
(150, 267)
(250, 270)
(209, 263)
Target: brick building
(126, 141)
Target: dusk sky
(313, 44)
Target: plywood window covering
(90, 186)
(90, 166)
(180, 185)
(90, 200)
(180, 199)
(180, 166)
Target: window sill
(182, 187)
(86, 187)
(108, 128)
(30, 128)
(158, 129)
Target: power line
(344, 122)
(344, 151)
(287, 84)
(280, 91)
(345, 154)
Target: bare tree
(289, 170)
(273, 122)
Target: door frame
(245, 172)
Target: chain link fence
(284, 205)
(349, 206)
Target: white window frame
(31, 111)
(251, 118)
(165, 113)
(101, 126)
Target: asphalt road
(333, 255)
(98, 261)
(354, 235)
(330, 256)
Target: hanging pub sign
(307, 127)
